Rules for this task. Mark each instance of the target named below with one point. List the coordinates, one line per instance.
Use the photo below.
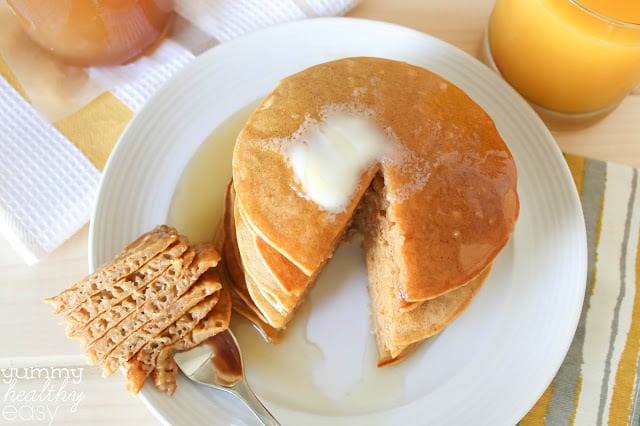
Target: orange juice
(94, 32)
(569, 56)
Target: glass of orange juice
(578, 58)
(94, 32)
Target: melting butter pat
(329, 156)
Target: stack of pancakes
(267, 290)
(435, 210)
(159, 295)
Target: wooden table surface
(31, 336)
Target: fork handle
(243, 390)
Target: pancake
(283, 288)
(232, 272)
(397, 330)
(398, 327)
(450, 178)
(266, 307)
(158, 352)
(162, 287)
(158, 295)
(232, 268)
(267, 265)
(192, 308)
(184, 288)
(126, 262)
(392, 151)
(103, 301)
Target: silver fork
(217, 363)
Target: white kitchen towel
(58, 123)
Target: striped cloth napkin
(599, 381)
(59, 123)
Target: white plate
(490, 366)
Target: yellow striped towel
(599, 380)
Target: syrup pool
(196, 207)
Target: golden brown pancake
(452, 199)
(158, 352)
(105, 301)
(399, 328)
(158, 295)
(126, 262)
(435, 209)
(267, 265)
(258, 268)
(233, 274)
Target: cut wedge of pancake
(116, 352)
(182, 289)
(128, 261)
(183, 335)
(397, 331)
(398, 327)
(166, 372)
(451, 180)
(159, 294)
(86, 326)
